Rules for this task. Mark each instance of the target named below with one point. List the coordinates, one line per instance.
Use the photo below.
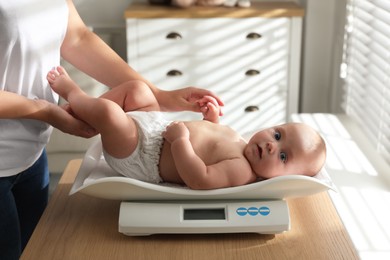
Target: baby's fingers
(206, 99)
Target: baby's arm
(210, 109)
(195, 173)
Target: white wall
(103, 13)
(321, 55)
(322, 40)
(317, 43)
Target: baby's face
(283, 150)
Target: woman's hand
(184, 99)
(62, 118)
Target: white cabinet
(251, 61)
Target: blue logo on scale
(253, 211)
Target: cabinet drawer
(209, 37)
(249, 73)
(246, 112)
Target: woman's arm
(14, 106)
(87, 52)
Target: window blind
(366, 69)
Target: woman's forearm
(13, 106)
(87, 52)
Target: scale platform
(149, 208)
(181, 217)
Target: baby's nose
(271, 147)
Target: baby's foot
(60, 82)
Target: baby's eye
(277, 135)
(283, 157)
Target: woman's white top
(31, 34)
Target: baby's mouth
(260, 150)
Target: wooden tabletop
(84, 227)
(271, 9)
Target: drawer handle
(251, 109)
(252, 72)
(174, 73)
(174, 36)
(253, 36)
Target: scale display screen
(204, 214)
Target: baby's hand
(210, 109)
(175, 131)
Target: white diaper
(143, 163)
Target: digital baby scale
(148, 208)
(146, 218)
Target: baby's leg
(118, 131)
(133, 95)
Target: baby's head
(292, 148)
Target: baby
(200, 154)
